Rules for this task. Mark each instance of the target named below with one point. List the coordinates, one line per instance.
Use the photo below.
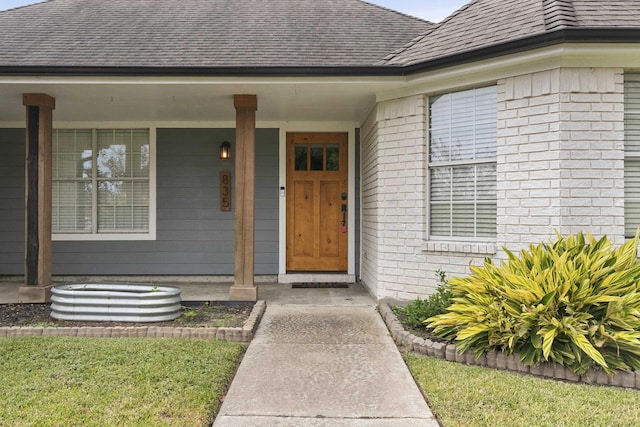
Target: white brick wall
(394, 261)
(560, 155)
(560, 167)
(369, 201)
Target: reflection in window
(462, 163)
(72, 154)
(301, 157)
(72, 206)
(463, 125)
(317, 158)
(463, 200)
(333, 157)
(119, 171)
(122, 205)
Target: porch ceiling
(188, 99)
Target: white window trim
(458, 244)
(630, 155)
(128, 236)
(468, 246)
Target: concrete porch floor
(278, 293)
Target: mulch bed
(211, 314)
(423, 333)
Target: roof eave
(146, 71)
(559, 36)
(551, 38)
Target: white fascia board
(144, 124)
(490, 70)
(308, 126)
(611, 55)
(64, 124)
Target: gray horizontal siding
(12, 157)
(192, 235)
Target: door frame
(315, 199)
(350, 129)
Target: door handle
(343, 209)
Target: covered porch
(189, 118)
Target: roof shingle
(203, 33)
(229, 35)
(484, 23)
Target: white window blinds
(462, 163)
(101, 181)
(631, 154)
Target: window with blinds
(462, 164)
(631, 154)
(100, 181)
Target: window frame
(124, 235)
(629, 155)
(430, 237)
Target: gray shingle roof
(203, 33)
(484, 23)
(304, 35)
(607, 13)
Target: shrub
(418, 311)
(575, 302)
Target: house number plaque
(225, 191)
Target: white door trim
(350, 129)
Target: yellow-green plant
(575, 301)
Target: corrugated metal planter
(115, 302)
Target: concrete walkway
(320, 357)
(323, 357)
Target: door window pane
(333, 157)
(301, 157)
(317, 158)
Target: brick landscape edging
(243, 334)
(499, 360)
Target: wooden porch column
(244, 288)
(37, 269)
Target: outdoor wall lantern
(225, 150)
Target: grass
(58, 381)
(462, 395)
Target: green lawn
(57, 381)
(462, 395)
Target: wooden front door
(317, 207)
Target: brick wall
(560, 167)
(369, 202)
(560, 155)
(395, 261)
